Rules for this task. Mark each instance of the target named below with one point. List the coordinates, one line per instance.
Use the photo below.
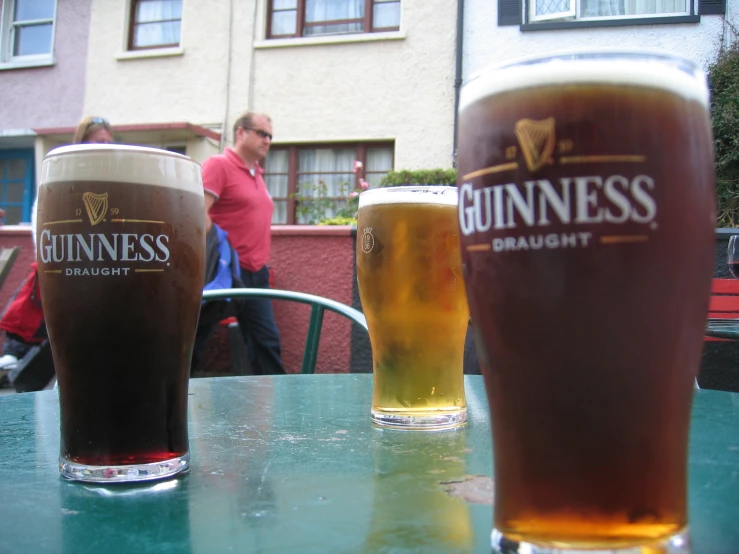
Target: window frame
(132, 25)
(7, 38)
(29, 181)
(570, 13)
(301, 24)
(517, 12)
(360, 149)
(572, 16)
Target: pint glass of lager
(120, 249)
(412, 292)
(586, 213)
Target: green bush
(338, 220)
(420, 177)
(724, 78)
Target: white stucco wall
(486, 43)
(400, 89)
(331, 89)
(186, 87)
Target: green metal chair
(318, 304)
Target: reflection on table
(292, 464)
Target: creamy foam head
(654, 70)
(410, 195)
(117, 163)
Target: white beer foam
(444, 195)
(654, 70)
(119, 163)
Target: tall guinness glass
(586, 212)
(121, 247)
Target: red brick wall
(315, 260)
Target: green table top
(292, 464)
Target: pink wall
(50, 96)
(315, 260)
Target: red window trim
(292, 167)
(132, 25)
(301, 24)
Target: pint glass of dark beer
(120, 249)
(409, 273)
(587, 218)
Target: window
(303, 18)
(178, 148)
(28, 30)
(155, 24)
(16, 185)
(561, 14)
(547, 10)
(310, 182)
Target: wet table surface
(292, 464)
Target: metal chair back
(7, 259)
(318, 304)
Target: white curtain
(284, 17)
(275, 168)
(379, 162)
(332, 10)
(386, 14)
(152, 29)
(655, 6)
(326, 172)
(601, 8)
(604, 8)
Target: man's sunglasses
(262, 134)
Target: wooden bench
(724, 301)
(719, 369)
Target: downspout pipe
(458, 74)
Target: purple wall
(51, 96)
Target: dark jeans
(257, 323)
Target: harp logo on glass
(368, 240)
(601, 189)
(118, 239)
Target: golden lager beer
(121, 258)
(412, 293)
(587, 220)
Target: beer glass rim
(121, 163)
(407, 194)
(108, 148)
(636, 66)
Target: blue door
(17, 188)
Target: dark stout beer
(120, 246)
(585, 185)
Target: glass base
(422, 421)
(675, 544)
(133, 473)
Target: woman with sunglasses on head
(91, 130)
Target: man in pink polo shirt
(236, 199)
